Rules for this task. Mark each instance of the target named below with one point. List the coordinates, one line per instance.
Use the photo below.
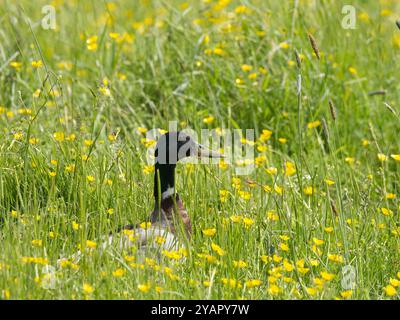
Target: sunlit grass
(76, 102)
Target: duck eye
(187, 139)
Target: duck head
(170, 149)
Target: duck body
(170, 213)
(167, 219)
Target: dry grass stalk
(332, 109)
(298, 60)
(314, 46)
(377, 93)
(333, 207)
(387, 105)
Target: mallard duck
(169, 214)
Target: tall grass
(72, 161)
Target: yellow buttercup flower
(327, 276)
(353, 71)
(350, 160)
(364, 16)
(244, 195)
(209, 258)
(242, 10)
(105, 91)
(144, 287)
(329, 182)
(232, 283)
(284, 45)
(246, 68)
(248, 221)
(386, 12)
(365, 142)
(218, 51)
(272, 216)
(309, 191)
(271, 170)
(209, 232)
(18, 135)
(239, 264)
(216, 248)
(16, 65)
(119, 272)
(317, 241)
(265, 135)
(314, 262)
(145, 225)
(91, 244)
(71, 137)
(278, 190)
(158, 289)
(208, 120)
(37, 243)
(390, 196)
(59, 136)
(288, 266)
(253, 76)
(223, 195)
(239, 81)
(33, 141)
(267, 189)
(386, 212)
(265, 258)
(236, 218)
(335, 258)
(223, 165)
(274, 290)
(148, 169)
(390, 290)
(382, 157)
(91, 43)
(37, 64)
(284, 247)
(394, 282)
(262, 148)
(346, 294)
(395, 157)
(314, 124)
(141, 130)
(290, 169)
(87, 288)
(312, 291)
(328, 229)
(253, 283)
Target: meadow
(317, 219)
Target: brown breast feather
(172, 214)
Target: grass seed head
(334, 209)
(389, 107)
(377, 93)
(298, 60)
(314, 46)
(332, 109)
